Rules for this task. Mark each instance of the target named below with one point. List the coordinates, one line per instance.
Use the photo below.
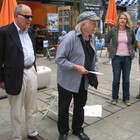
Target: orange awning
(111, 15)
(7, 12)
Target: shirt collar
(19, 30)
(78, 32)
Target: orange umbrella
(7, 12)
(111, 15)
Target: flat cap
(87, 15)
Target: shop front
(51, 17)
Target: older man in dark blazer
(18, 74)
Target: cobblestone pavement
(117, 122)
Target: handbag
(93, 81)
(92, 78)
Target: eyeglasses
(26, 16)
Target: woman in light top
(120, 42)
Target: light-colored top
(70, 52)
(122, 49)
(27, 46)
(138, 35)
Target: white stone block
(44, 76)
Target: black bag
(93, 81)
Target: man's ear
(16, 15)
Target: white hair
(64, 32)
(78, 26)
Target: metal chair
(53, 107)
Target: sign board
(88, 5)
(45, 43)
(64, 13)
(53, 21)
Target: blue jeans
(121, 64)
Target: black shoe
(37, 137)
(62, 137)
(82, 136)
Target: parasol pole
(110, 20)
(109, 61)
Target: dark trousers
(65, 98)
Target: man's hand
(2, 85)
(80, 69)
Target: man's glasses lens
(26, 16)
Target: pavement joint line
(100, 90)
(99, 95)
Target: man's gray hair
(18, 9)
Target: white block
(44, 76)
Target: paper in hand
(94, 72)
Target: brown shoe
(37, 137)
(138, 96)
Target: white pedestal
(44, 76)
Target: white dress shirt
(27, 46)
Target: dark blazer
(12, 58)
